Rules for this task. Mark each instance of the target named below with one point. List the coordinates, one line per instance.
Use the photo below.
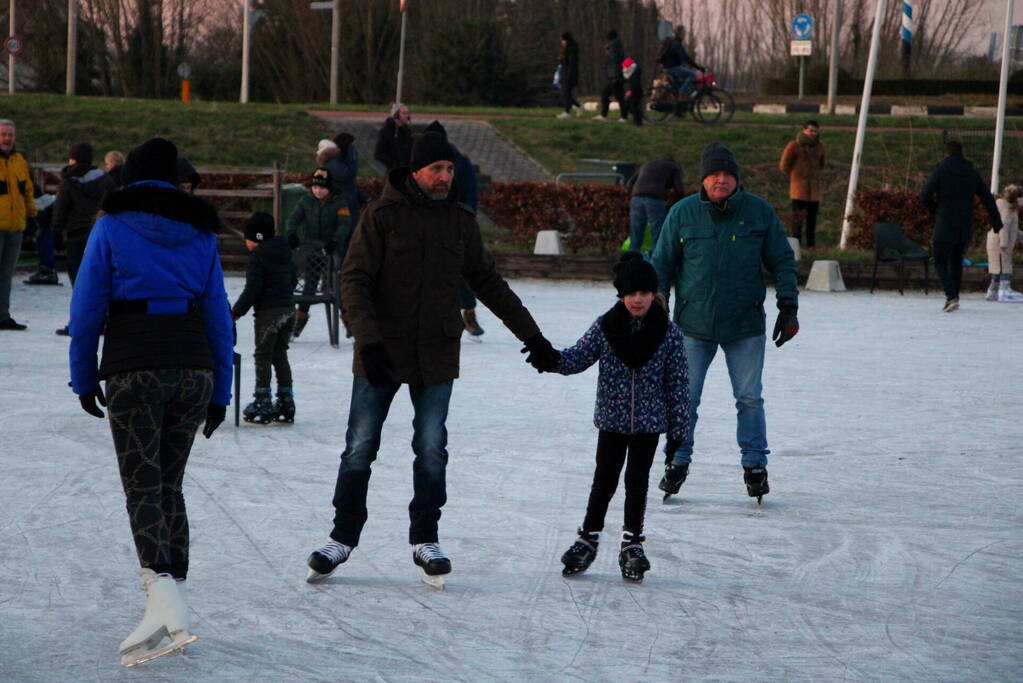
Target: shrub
(893, 206)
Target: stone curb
(881, 109)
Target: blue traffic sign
(802, 27)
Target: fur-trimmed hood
(326, 155)
(160, 199)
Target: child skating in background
(642, 391)
(269, 290)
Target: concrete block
(840, 109)
(768, 108)
(794, 243)
(825, 276)
(981, 112)
(548, 243)
(909, 110)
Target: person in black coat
(568, 59)
(615, 84)
(948, 196)
(269, 290)
(633, 91)
(394, 141)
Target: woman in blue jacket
(151, 283)
(642, 391)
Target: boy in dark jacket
(269, 286)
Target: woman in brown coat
(802, 161)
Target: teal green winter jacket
(713, 257)
(311, 220)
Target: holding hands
(542, 354)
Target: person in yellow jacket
(17, 206)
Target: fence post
(277, 195)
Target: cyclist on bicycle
(673, 56)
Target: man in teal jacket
(712, 248)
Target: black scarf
(634, 345)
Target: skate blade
(432, 580)
(633, 578)
(141, 655)
(573, 571)
(475, 338)
(314, 576)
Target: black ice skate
(284, 406)
(756, 482)
(260, 411)
(580, 556)
(323, 561)
(674, 475)
(432, 563)
(632, 559)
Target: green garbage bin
(291, 193)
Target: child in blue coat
(642, 391)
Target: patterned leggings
(154, 415)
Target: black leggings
(154, 415)
(612, 449)
(948, 263)
(567, 98)
(273, 330)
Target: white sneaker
(951, 305)
(623, 120)
(563, 115)
(600, 117)
(992, 292)
(1007, 295)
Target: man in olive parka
(712, 248)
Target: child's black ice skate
(432, 562)
(260, 411)
(284, 406)
(323, 561)
(674, 475)
(632, 559)
(580, 556)
(756, 482)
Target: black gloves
(542, 355)
(214, 416)
(330, 247)
(376, 363)
(787, 325)
(293, 240)
(89, 400)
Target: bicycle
(707, 103)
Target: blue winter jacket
(653, 399)
(135, 254)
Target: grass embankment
(898, 153)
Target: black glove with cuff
(214, 416)
(89, 401)
(542, 354)
(376, 363)
(787, 325)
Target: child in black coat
(633, 91)
(269, 290)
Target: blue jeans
(366, 415)
(643, 210)
(684, 78)
(745, 359)
(45, 249)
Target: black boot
(44, 276)
(260, 411)
(674, 475)
(632, 559)
(756, 482)
(582, 553)
(284, 406)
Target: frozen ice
(888, 548)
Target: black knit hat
(633, 273)
(716, 157)
(155, 159)
(259, 227)
(430, 148)
(82, 153)
(321, 178)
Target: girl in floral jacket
(642, 391)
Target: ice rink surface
(889, 548)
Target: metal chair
(891, 246)
(319, 282)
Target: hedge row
(890, 206)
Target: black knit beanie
(633, 274)
(716, 157)
(81, 152)
(430, 148)
(155, 159)
(259, 227)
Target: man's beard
(439, 192)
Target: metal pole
(907, 35)
(246, 46)
(861, 127)
(1003, 85)
(10, 57)
(335, 49)
(401, 58)
(72, 45)
(801, 58)
(833, 62)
